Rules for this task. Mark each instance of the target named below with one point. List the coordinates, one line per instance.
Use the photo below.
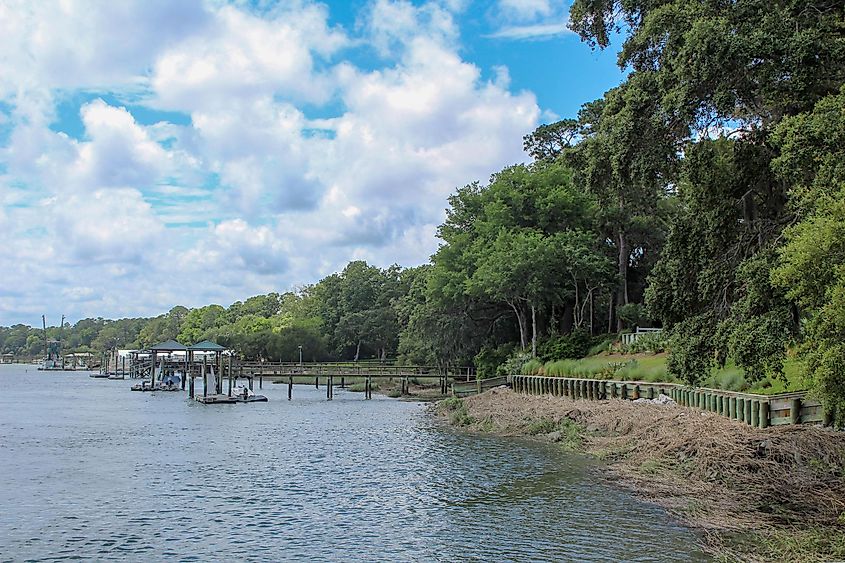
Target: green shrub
(451, 404)
(632, 314)
(560, 368)
(655, 343)
(457, 411)
(570, 432)
(601, 344)
(489, 358)
(513, 364)
(575, 345)
(532, 367)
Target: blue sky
(156, 153)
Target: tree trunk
(533, 331)
(610, 312)
(521, 322)
(592, 301)
(357, 350)
(566, 323)
(623, 273)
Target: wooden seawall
(755, 410)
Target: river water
(91, 470)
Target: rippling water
(91, 470)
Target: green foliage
(601, 344)
(564, 431)
(566, 346)
(532, 367)
(654, 342)
(812, 262)
(490, 358)
(693, 349)
(776, 69)
(456, 410)
(514, 364)
(632, 315)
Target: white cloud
(530, 19)
(393, 23)
(525, 10)
(120, 152)
(254, 194)
(245, 56)
(535, 31)
(114, 225)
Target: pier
(208, 364)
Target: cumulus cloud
(244, 56)
(294, 159)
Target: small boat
(244, 394)
(145, 386)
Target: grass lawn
(652, 368)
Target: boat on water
(244, 394)
(164, 382)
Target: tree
(811, 269)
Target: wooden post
(230, 374)
(290, 386)
(191, 387)
(795, 411)
(204, 378)
(623, 391)
(732, 407)
(764, 414)
(316, 381)
(342, 382)
(740, 409)
(153, 371)
(755, 412)
(261, 374)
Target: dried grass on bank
(716, 473)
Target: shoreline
(750, 494)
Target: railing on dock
(755, 410)
(478, 386)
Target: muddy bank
(756, 495)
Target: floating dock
(223, 399)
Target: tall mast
(44, 323)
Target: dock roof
(207, 346)
(168, 346)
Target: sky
(155, 153)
